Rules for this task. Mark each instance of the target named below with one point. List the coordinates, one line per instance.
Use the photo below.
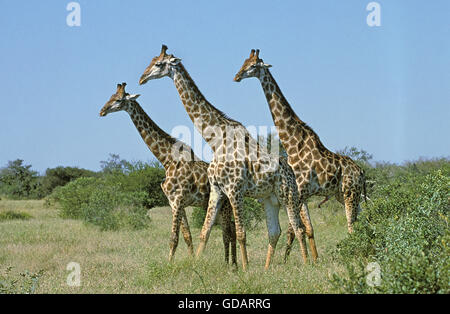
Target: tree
(60, 176)
(356, 154)
(116, 165)
(19, 181)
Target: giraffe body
(186, 182)
(240, 166)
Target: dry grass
(136, 261)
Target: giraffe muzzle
(143, 79)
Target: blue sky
(383, 89)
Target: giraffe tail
(364, 188)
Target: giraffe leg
(214, 205)
(306, 220)
(351, 196)
(273, 227)
(186, 232)
(351, 211)
(289, 197)
(290, 240)
(233, 243)
(225, 235)
(228, 233)
(176, 222)
(236, 201)
(294, 219)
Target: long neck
(165, 148)
(284, 117)
(205, 116)
(279, 106)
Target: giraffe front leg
(237, 202)
(273, 228)
(214, 205)
(351, 210)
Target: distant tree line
(19, 181)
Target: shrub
(60, 176)
(405, 230)
(118, 199)
(111, 209)
(73, 196)
(102, 202)
(148, 180)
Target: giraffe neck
(285, 119)
(279, 106)
(165, 148)
(207, 119)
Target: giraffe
(318, 171)
(239, 167)
(186, 182)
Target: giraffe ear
(267, 65)
(174, 60)
(133, 97)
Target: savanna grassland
(116, 225)
(136, 261)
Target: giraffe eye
(158, 64)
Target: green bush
(147, 180)
(60, 176)
(405, 230)
(253, 214)
(116, 200)
(74, 195)
(111, 209)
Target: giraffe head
(253, 67)
(120, 100)
(160, 66)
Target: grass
(137, 261)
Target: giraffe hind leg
(176, 222)
(290, 240)
(186, 232)
(228, 234)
